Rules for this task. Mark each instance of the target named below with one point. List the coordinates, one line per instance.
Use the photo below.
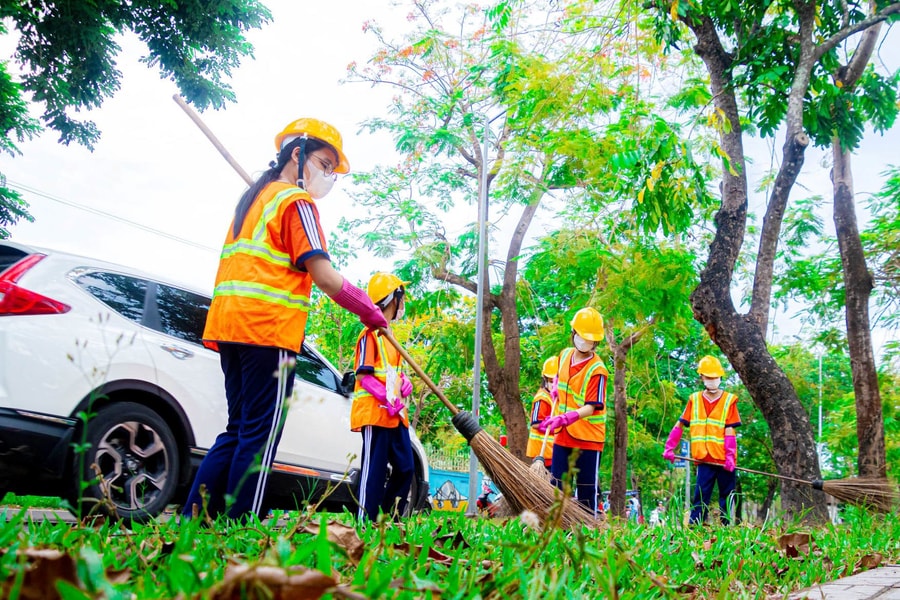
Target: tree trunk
(618, 484)
(858, 283)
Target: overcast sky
(154, 167)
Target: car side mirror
(348, 382)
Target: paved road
(881, 584)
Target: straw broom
(875, 493)
(522, 489)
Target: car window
(181, 313)
(10, 256)
(122, 293)
(310, 368)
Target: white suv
(102, 373)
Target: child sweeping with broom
(580, 425)
(379, 412)
(712, 417)
(540, 445)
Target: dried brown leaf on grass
(794, 544)
(262, 582)
(342, 535)
(434, 555)
(869, 561)
(44, 567)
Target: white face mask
(317, 185)
(712, 384)
(581, 344)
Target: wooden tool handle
(212, 138)
(785, 477)
(415, 367)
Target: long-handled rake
(521, 488)
(873, 493)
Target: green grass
(11, 499)
(446, 555)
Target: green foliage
(67, 55)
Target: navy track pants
(709, 475)
(237, 466)
(588, 464)
(378, 493)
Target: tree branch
(846, 32)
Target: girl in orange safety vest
(712, 417)
(379, 411)
(580, 388)
(274, 251)
(543, 406)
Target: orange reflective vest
(535, 437)
(366, 410)
(708, 430)
(260, 298)
(572, 390)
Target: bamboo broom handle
(785, 477)
(212, 138)
(415, 366)
(547, 433)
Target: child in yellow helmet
(542, 407)
(711, 416)
(580, 422)
(379, 411)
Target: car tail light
(16, 300)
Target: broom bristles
(540, 469)
(523, 490)
(868, 492)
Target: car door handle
(177, 351)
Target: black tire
(137, 456)
(418, 503)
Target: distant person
(581, 423)
(274, 251)
(379, 410)
(712, 417)
(543, 406)
(657, 514)
(483, 502)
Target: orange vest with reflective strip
(571, 397)
(365, 409)
(535, 437)
(708, 430)
(260, 298)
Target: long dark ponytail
(271, 174)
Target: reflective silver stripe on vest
(266, 293)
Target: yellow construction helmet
(588, 323)
(710, 367)
(383, 285)
(551, 367)
(319, 130)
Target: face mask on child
(712, 384)
(581, 344)
(317, 184)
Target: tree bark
(858, 284)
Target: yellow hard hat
(319, 130)
(382, 285)
(588, 323)
(711, 367)
(551, 367)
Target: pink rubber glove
(672, 443)
(554, 389)
(554, 423)
(371, 384)
(405, 386)
(730, 453)
(395, 407)
(356, 301)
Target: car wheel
(136, 459)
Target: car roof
(92, 262)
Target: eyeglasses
(326, 166)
